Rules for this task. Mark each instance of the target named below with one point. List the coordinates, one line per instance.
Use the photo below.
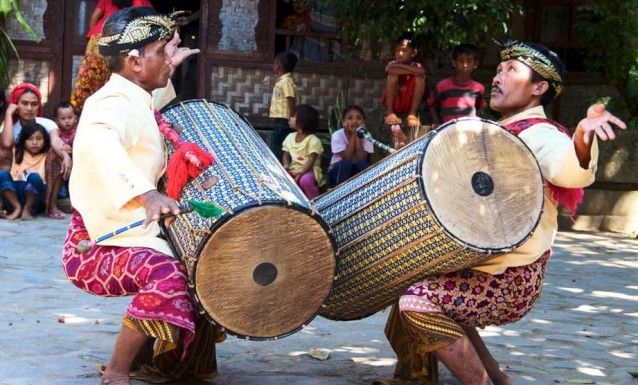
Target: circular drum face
(265, 272)
(483, 185)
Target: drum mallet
(363, 133)
(203, 209)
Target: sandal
(56, 215)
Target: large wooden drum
(263, 270)
(447, 201)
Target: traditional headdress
(536, 59)
(138, 32)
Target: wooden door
(76, 23)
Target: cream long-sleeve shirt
(118, 154)
(559, 165)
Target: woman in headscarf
(25, 106)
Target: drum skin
(263, 269)
(448, 201)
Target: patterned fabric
(200, 363)
(474, 298)
(453, 100)
(412, 362)
(149, 26)
(157, 280)
(570, 198)
(52, 171)
(93, 73)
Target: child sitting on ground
(23, 188)
(349, 152)
(302, 150)
(404, 88)
(459, 95)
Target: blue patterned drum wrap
(243, 267)
(392, 227)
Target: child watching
(67, 120)
(284, 97)
(23, 188)
(349, 152)
(459, 95)
(405, 85)
(302, 151)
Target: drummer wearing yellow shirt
(436, 318)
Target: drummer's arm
(598, 123)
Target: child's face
(403, 52)
(292, 122)
(66, 118)
(465, 64)
(35, 143)
(352, 120)
(276, 66)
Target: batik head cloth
(539, 61)
(137, 33)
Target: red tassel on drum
(186, 163)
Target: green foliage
(436, 24)
(608, 29)
(335, 113)
(9, 8)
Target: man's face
(155, 70)
(512, 88)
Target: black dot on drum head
(482, 184)
(265, 274)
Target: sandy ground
(583, 331)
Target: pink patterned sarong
(158, 281)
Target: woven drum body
(447, 201)
(263, 270)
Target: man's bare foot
(15, 214)
(413, 121)
(392, 119)
(26, 215)
(109, 378)
(501, 378)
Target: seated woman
(25, 106)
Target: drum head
(483, 184)
(266, 272)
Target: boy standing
(405, 85)
(459, 95)
(284, 97)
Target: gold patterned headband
(533, 58)
(137, 33)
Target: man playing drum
(436, 318)
(120, 156)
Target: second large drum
(263, 270)
(448, 201)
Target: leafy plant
(608, 29)
(437, 24)
(9, 8)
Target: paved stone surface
(583, 331)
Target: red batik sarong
(158, 281)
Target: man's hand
(598, 122)
(178, 54)
(157, 204)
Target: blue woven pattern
(382, 210)
(373, 172)
(246, 169)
